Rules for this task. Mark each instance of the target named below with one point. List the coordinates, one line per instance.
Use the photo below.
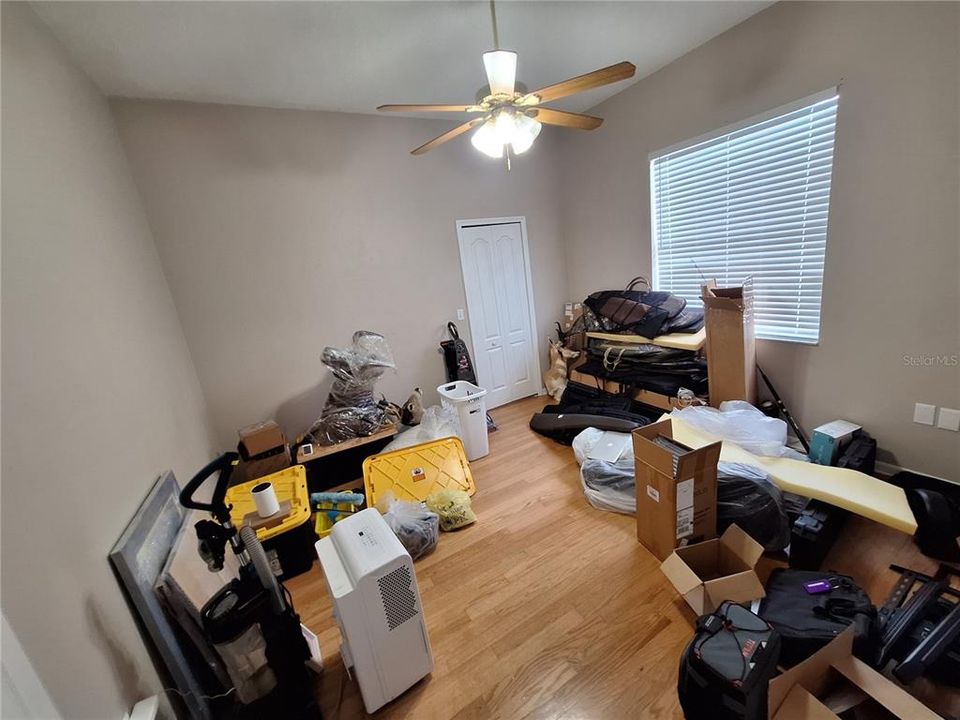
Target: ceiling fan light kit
(506, 128)
(512, 120)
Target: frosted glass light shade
(487, 140)
(501, 66)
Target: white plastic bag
(416, 527)
(437, 422)
(741, 423)
(607, 485)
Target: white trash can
(467, 399)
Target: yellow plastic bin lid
(289, 485)
(414, 472)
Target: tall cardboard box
(731, 347)
(676, 490)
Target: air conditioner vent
(399, 599)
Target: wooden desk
(320, 451)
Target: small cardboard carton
(721, 569)
(261, 440)
(827, 682)
(827, 441)
(731, 347)
(676, 489)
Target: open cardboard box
(676, 493)
(833, 680)
(710, 572)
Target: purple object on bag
(818, 586)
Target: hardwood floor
(547, 607)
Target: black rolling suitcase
(725, 669)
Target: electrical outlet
(949, 419)
(459, 313)
(924, 414)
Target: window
(751, 200)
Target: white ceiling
(353, 56)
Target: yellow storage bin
(290, 486)
(414, 472)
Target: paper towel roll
(265, 498)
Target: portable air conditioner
(377, 605)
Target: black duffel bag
(725, 669)
(642, 312)
(806, 622)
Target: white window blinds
(751, 201)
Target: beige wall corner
(891, 290)
(283, 231)
(99, 391)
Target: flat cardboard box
(676, 501)
(803, 692)
(261, 439)
(710, 572)
(731, 346)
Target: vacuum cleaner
(255, 597)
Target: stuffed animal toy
(413, 408)
(391, 411)
(555, 379)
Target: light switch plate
(924, 414)
(949, 419)
(459, 313)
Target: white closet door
(495, 278)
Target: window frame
(829, 93)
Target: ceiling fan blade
(595, 79)
(501, 66)
(448, 135)
(430, 108)
(549, 116)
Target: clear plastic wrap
(437, 422)
(453, 507)
(747, 497)
(351, 410)
(610, 486)
(607, 485)
(417, 528)
(742, 423)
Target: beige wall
(99, 393)
(892, 279)
(283, 231)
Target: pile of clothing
(640, 366)
(646, 367)
(647, 312)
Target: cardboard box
(731, 347)
(676, 493)
(828, 439)
(819, 687)
(260, 467)
(710, 572)
(262, 439)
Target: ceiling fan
(510, 117)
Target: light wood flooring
(547, 607)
